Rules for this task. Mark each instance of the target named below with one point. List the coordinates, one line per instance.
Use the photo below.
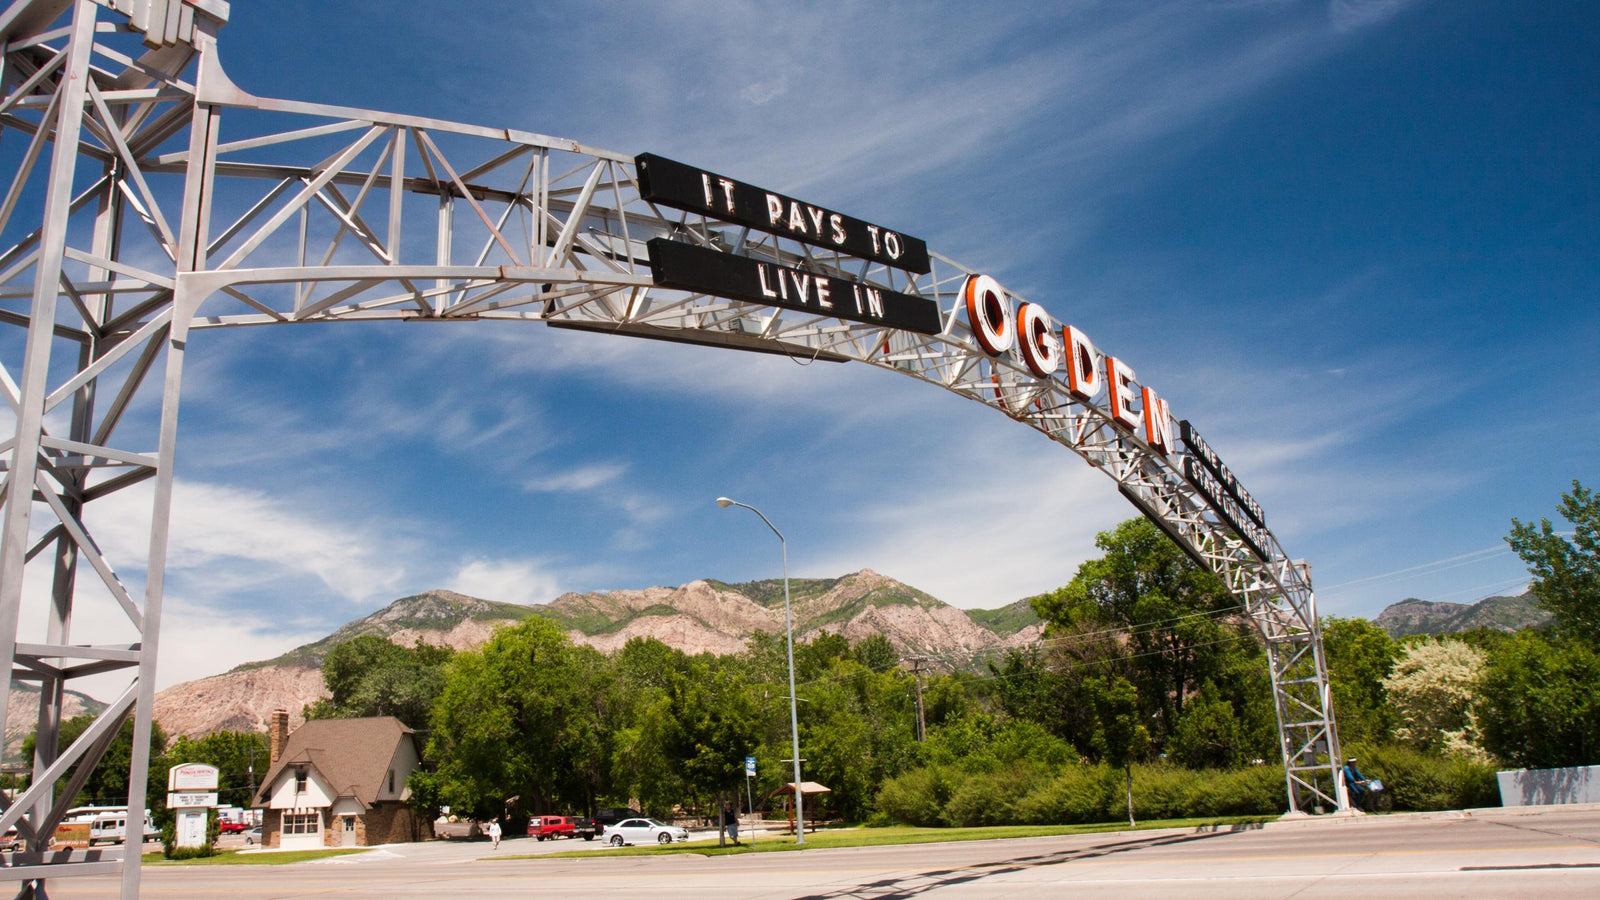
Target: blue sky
(1355, 242)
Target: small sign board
(191, 799)
(192, 777)
(749, 767)
(674, 184)
(190, 827)
(702, 270)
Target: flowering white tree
(1433, 688)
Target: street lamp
(788, 627)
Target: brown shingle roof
(352, 755)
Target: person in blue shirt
(1355, 782)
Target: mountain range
(701, 616)
(1413, 616)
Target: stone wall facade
(387, 822)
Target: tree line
(1147, 697)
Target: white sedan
(642, 831)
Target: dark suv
(611, 815)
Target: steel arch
(172, 201)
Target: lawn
(235, 858)
(899, 834)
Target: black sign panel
(690, 268)
(684, 187)
(1227, 509)
(1199, 448)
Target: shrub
(1076, 794)
(915, 798)
(169, 839)
(1421, 781)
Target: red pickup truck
(551, 827)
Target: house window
(350, 824)
(301, 823)
(299, 781)
(391, 781)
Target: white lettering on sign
(813, 223)
(782, 283)
(874, 300)
(711, 198)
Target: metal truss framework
(151, 198)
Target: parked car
(551, 827)
(253, 836)
(546, 828)
(227, 827)
(12, 840)
(643, 831)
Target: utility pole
(922, 719)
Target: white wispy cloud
(218, 528)
(582, 478)
(1349, 15)
(524, 581)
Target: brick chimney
(277, 734)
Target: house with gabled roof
(338, 783)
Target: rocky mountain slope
(23, 713)
(701, 616)
(1414, 616)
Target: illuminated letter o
(1040, 349)
(989, 315)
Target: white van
(110, 827)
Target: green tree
(514, 724)
(1539, 702)
(371, 676)
(1145, 612)
(108, 783)
(1566, 572)
(1121, 738)
(715, 724)
(641, 762)
(1210, 733)
(875, 652)
(1360, 655)
(858, 729)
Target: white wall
(1543, 787)
(317, 793)
(403, 764)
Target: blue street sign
(749, 767)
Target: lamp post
(788, 628)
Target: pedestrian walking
(494, 833)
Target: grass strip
(899, 834)
(236, 858)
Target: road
(1549, 853)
